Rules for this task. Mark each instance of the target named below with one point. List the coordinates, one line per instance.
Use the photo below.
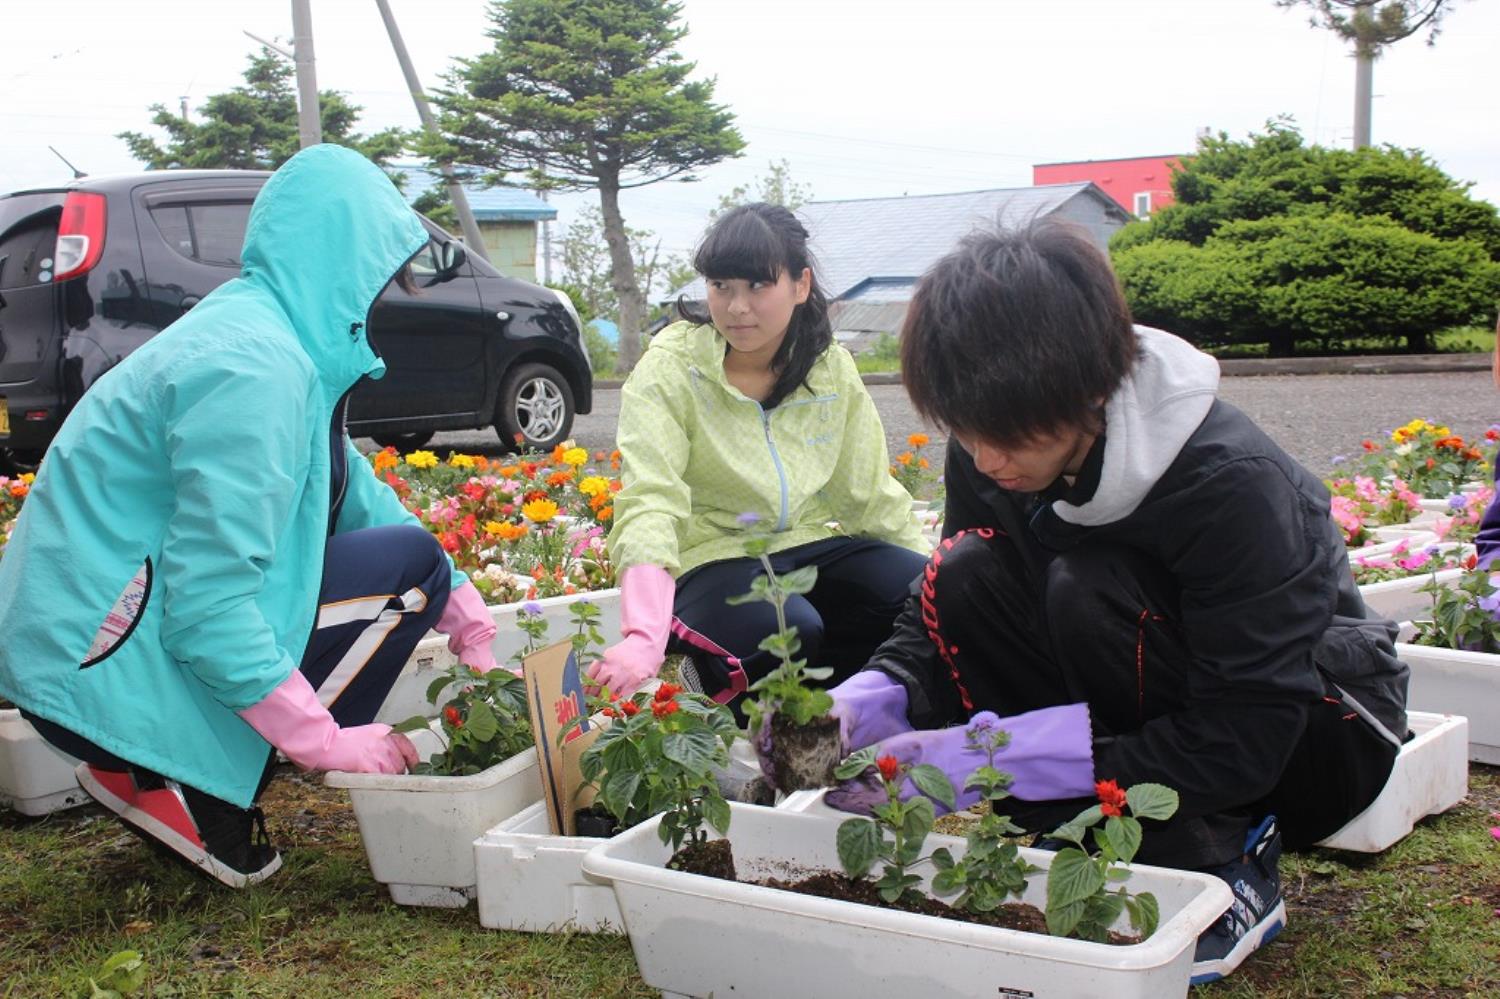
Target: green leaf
(436, 688)
(933, 782)
(1147, 915)
(694, 751)
(858, 844)
(916, 823)
(618, 792)
(481, 722)
(942, 858)
(1124, 837)
(856, 763)
(416, 723)
(799, 581)
(1063, 919)
(1072, 877)
(716, 811)
(121, 974)
(949, 880)
(1151, 801)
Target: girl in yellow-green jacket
(752, 416)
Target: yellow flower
(422, 459)
(594, 485)
(495, 527)
(539, 511)
(460, 460)
(576, 456)
(917, 440)
(28, 477)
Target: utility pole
(1364, 72)
(473, 238)
(309, 116)
(183, 99)
(546, 244)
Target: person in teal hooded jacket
(205, 568)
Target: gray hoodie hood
(1148, 419)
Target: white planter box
(419, 831)
(36, 778)
(408, 696)
(1415, 540)
(1402, 599)
(1421, 527)
(1447, 681)
(786, 944)
(1431, 775)
(530, 879)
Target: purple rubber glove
(1050, 757)
(646, 595)
(870, 706)
(470, 628)
(292, 719)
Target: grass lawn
(1421, 920)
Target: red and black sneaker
(216, 838)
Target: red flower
(1369, 445)
(454, 718)
(1471, 561)
(1431, 463)
(610, 713)
(450, 543)
(663, 708)
(629, 708)
(473, 490)
(667, 691)
(1111, 797)
(889, 767)
(1492, 434)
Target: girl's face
(753, 315)
(1030, 467)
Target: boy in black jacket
(1134, 581)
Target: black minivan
(92, 269)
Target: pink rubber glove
(291, 719)
(470, 628)
(646, 594)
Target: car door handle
(188, 301)
(503, 316)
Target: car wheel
(536, 408)
(402, 442)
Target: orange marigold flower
(19, 490)
(917, 440)
(385, 460)
(507, 471)
(557, 455)
(559, 479)
(923, 463)
(615, 485)
(889, 768)
(1111, 797)
(605, 513)
(904, 458)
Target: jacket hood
(1147, 421)
(327, 232)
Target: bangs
(741, 246)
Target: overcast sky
(864, 98)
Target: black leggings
(862, 586)
(383, 588)
(1102, 629)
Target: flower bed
(1429, 458)
(1391, 583)
(13, 493)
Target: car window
(209, 233)
(424, 264)
(28, 237)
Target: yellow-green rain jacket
(697, 452)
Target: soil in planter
(1011, 916)
(804, 756)
(595, 821)
(713, 858)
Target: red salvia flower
(1111, 798)
(629, 708)
(454, 718)
(667, 691)
(663, 708)
(889, 767)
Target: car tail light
(80, 235)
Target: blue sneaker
(1257, 913)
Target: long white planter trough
(530, 879)
(419, 831)
(1431, 775)
(1447, 681)
(1414, 541)
(1403, 599)
(408, 696)
(36, 778)
(699, 936)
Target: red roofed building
(1140, 184)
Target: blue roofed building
(507, 216)
(870, 251)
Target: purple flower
(1457, 501)
(1490, 604)
(1339, 459)
(531, 607)
(748, 519)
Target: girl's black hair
(757, 242)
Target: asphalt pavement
(1316, 417)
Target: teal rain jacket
(164, 572)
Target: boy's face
(1029, 467)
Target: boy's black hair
(757, 242)
(1017, 334)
